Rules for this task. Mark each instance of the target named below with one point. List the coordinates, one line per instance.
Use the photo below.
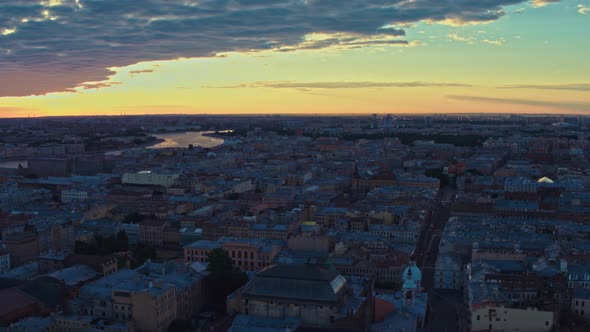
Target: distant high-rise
(388, 122)
(374, 121)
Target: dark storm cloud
(53, 48)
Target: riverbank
(203, 139)
(13, 162)
(219, 133)
(145, 145)
(183, 140)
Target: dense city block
(295, 223)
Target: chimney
(563, 265)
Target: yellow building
(151, 306)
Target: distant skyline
(108, 57)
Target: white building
(487, 311)
(73, 195)
(492, 318)
(150, 178)
(581, 303)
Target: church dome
(415, 273)
(545, 180)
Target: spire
(355, 172)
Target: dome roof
(415, 271)
(545, 180)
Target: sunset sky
(86, 57)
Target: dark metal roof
(296, 283)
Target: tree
(133, 218)
(474, 171)
(233, 196)
(103, 245)
(122, 241)
(179, 325)
(224, 278)
(136, 217)
(142, 252)
(439, 174)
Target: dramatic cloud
(543, 3)
(337, 85)
(497, 42)
(570, 87)
(96, 85)
(572, 106)
(457, 37)
(54, 45)
(472, 40)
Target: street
(427, 248)
(445, 307)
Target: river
(182, 140)
(179, 140)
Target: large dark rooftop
(297, 282)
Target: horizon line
(297, 115)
